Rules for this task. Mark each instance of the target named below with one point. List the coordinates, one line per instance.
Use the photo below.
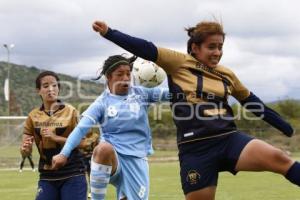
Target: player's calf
(293, 174)
(100, 175)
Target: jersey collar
(61, 106)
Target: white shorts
(131, 178)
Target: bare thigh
(261, 156)
(207, 193)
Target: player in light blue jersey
(121, 156)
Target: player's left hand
(48, 134)
(58, 161)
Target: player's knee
(103, 152)
(282, 160)
(280, 156)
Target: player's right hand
(101, 27)
(58, 161)
(26, 147)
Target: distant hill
(23, 96)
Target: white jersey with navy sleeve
(124, 119)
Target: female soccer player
(121, 156)
(29, 157)
(49, 126)
(207, 137)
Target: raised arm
(257, 107)
(137, 46)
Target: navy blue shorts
(73, 188)
(202, 161)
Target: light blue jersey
(123, 121)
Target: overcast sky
(262, 45)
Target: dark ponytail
(112, 63)
(190, 41)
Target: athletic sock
(100, 175)
(293, 174)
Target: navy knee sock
(293, 174)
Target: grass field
(165, 185)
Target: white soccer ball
(148, 74)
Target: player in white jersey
(121, 156)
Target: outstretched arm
(257, 107)
(72, 142)
(137, 46)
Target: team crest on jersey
(193, 177)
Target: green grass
(165, 181)
(165, 185)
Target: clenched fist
(100, 27)
(58, 161)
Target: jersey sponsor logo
(193, 177)
(48, 124)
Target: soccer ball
(148, 74)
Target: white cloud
(269, 75)
(262, 44)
